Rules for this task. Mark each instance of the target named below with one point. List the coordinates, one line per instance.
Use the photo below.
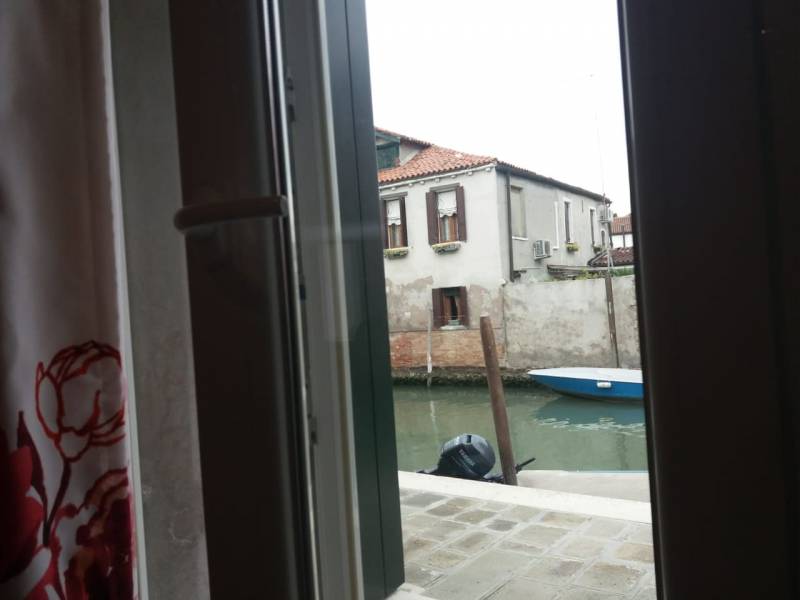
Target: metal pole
(499, 413)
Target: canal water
(561, 432)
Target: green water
(560, 431)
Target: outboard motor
(468, 456)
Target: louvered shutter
(384, 232)
(463, 306)
(437, 301)
(433, 224)
(461, 214)
(403, 222)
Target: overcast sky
(536, 83)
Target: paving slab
(582, 547)
(473, 542)
(443, 530)
(539, 535)
(554, 570)
(525, 589)
(609, 577)
(416, 546)
(421, 575)
(638, 552)
(605, 528)
(494, 542)
(477, 578)
(579, 593)
(445, 559)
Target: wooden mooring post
(499, 412)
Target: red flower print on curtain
(75, 550)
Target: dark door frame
(711, 98)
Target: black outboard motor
(468, 456)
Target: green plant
(572, 246)
(395, 252)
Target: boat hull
(601, 384)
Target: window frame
(556, 241)
(522, 211)
(568, 221)
(387, 238)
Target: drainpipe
(508, 222)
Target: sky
(536, 83)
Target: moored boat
(591, 382)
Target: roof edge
(512, 169)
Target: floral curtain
(65, 496)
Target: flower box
(597, 247)
(572, 247)
(395, 252)
(446, 247)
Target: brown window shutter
(384, 232)
(461, 214)
(463, 306)
(433, 225)
(403, 222)
(437, 301)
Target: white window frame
(592, 219)
(558, 233)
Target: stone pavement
(464, 548)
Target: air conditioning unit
(605, 214)
(541, 249)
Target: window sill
(521, 239)
(572, 247)
(391, 253)
(446, 247)
(452, 327)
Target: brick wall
(460, 348)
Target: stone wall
(565, 323)
(459, 348)
(537, 325)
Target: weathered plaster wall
(478, 259)
(565, 323)
(541, 202)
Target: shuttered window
(393, 221)
(446, 215)
(450, 306)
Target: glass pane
(540, 159)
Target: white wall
(477, 264)
(541, 202)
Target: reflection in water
(561, 432)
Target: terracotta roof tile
(621, 225)
(621, 257)
(435, 160)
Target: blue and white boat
(590, 382)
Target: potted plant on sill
(446, 247)
(395, 252)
